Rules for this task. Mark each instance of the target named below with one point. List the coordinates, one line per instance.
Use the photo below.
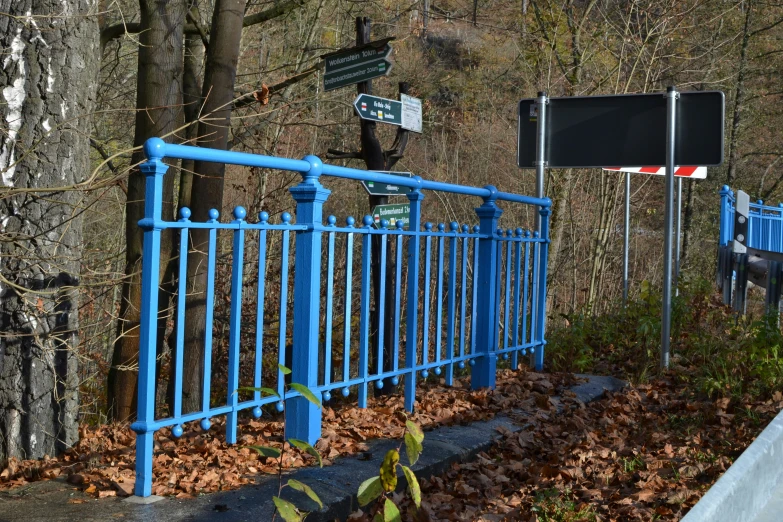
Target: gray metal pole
(671, 135)
(626, 234)
(679, 239)
(541, 102)
(540, 163)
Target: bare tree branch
(115, 31)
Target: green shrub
(724, 354)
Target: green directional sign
(378, 109)
(392, 214)
(356, 74)
(356, 56)
(387, 189)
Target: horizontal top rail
(754, 205)
(157, 149)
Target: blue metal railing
(462, 296)
(765, 224)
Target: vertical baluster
(412, 315)
(182, 290)
(776, 234)
(348, 296)
(768, 222)
(329, 308)
(507, 316)
(381, 304)
(483, 373)
(235, 322)
(283, 322)
(473, 300)
(439, 306)
(263, 218)
(153, 170)
(517, 275)
(541, 296)
(425, 318)
(534, 293)
(779, 229)
(364, 317)
(397, 303)
(210, 308)
(725, 217)
(525, 308)
(499, 291)
(463, 296)
(452, 302)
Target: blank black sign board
(623, 130)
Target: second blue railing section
(460, 297)
(765, 226)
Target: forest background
(85, 83)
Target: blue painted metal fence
(470, 295)
(765, 224)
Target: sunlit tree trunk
(48, 80)
(158, 104)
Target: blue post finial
(493, 193)
(155, 149)
(316, 168)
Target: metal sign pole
(626, 234)
(679, 240)
(540, 163)
(541, 102)
(671, 134)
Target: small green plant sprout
(287, 510)
(379, 488)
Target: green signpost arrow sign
(392, 214)
(387, 189)
(361, 73)
(378, 109)
(357, 64)
(356, 56)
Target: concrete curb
(336, 485)
(750, 490)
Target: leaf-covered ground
(102, 463)
(648, 452)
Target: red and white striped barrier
(682, 172)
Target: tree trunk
(191, 86)
(158, 103)
(739, 97)
(48, 76)
(207, 191)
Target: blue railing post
(724, 213)
(541, 292)
(303, 418)
(412, 325)
(483, 373)
(153, 169)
